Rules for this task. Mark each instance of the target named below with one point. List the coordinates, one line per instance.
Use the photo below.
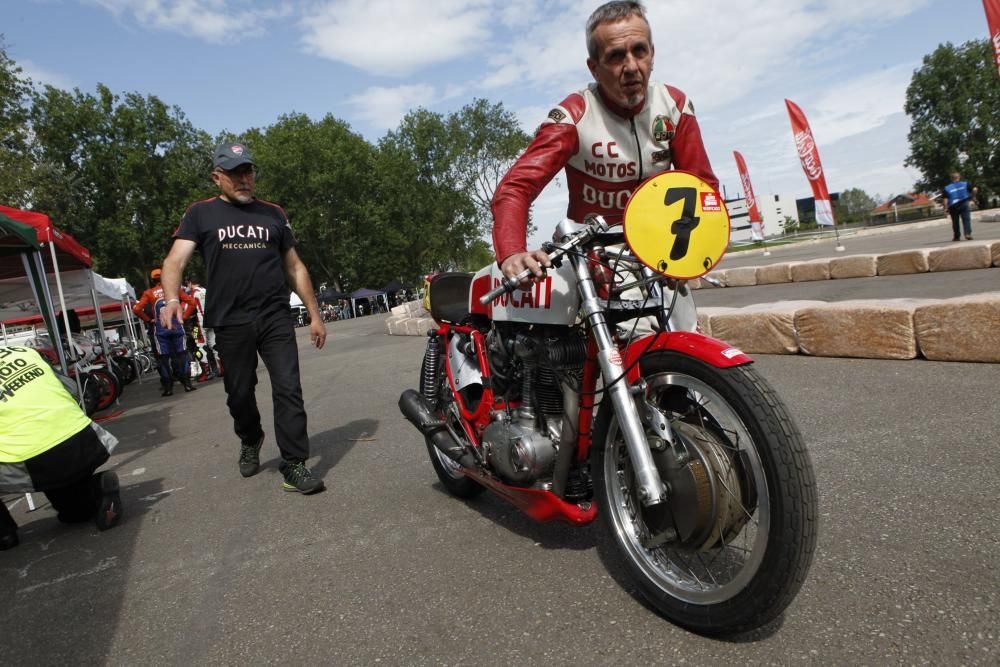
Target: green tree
(322, 174)
(953, 100)
(486, 140)
(434, 219)
(117, 173)
(15, 160)
(854, 205)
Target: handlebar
(570, 238)
(506, 285)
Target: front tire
(731, 548)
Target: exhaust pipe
(418, 412)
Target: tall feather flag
(992, 8)
(809, 157)
(756, 222)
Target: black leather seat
(450, 297)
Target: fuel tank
(552, 300)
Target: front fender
(712, 351)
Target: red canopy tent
(65, 253)
(68, 252)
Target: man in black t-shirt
(250, 258)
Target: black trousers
(273, 337)
(73, 503)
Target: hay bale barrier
(960, 257)
(903, 263)
(817, 269)
(961, 329)
(745, 276)
(764, 328)
(854, 266)
(774, 274)
(860, 329)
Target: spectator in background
(48, 444)
(958, 194)
(169, 342)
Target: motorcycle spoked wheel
(449, 472)
(109, 388)
(743, 507)
(91, 392)
(124, 369)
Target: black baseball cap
(230, 154)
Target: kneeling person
(48, 444)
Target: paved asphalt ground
(209, 568)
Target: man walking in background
(249, 252)
(957, 194)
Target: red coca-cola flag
(756, 221)
(809, 157)
(992, 8)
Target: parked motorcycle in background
(100, 386)
(694, 464)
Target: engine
(535, 370)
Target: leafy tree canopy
(15, 163)
(118, 171)
(953, 100)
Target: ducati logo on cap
(237, 149)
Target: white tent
(80, 288)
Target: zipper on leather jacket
(638, 147)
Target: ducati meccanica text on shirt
(242, 245)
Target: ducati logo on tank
(677, 225)
(538, 296)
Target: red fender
(710, 350)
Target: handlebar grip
(506, 285)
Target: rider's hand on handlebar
(536, 260)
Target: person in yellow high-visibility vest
(48, 444)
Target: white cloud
(383, 108)
(41, 76)
(718, 51)
(386, 37)
(209, 20)
(860, 104)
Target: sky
(238, 64)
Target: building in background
(806, 207)
(773, 209)
(911, 206)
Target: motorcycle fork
(651, 489)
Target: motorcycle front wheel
(731, 547)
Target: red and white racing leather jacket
(607, 152)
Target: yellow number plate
(676, 224)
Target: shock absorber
(431, 371)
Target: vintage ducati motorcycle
(591, 393)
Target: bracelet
(173, 300)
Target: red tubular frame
(542, 505)
(539, 504)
